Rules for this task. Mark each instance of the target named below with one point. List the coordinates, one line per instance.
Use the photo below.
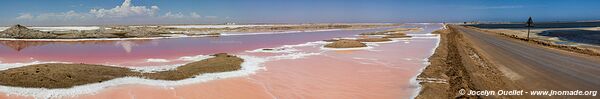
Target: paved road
(536, 67)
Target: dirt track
(474, 60)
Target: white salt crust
(250, 65)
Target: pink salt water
(135, 52)
(385, 71)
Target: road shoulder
(457, 65)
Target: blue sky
(91, 12)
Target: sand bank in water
(346, 44)
(58, 75)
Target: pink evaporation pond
(384, 72)
(136, 52)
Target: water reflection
(136, 52)
(21, 45)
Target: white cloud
(125, 10)
(195, 15)
(25, 16)
(180, 15)
(173, 15)
(122, 13)
(69, 15)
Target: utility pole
(529, 25)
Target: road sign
(529, 22)
(529, 25)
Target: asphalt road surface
(535, 67)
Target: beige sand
(69, 75)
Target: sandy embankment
(457, 65)
(19, 32)
(397, 35)
(356, 43)
(374, 40)
(68, 75)
(346, 44)
(393, 33)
